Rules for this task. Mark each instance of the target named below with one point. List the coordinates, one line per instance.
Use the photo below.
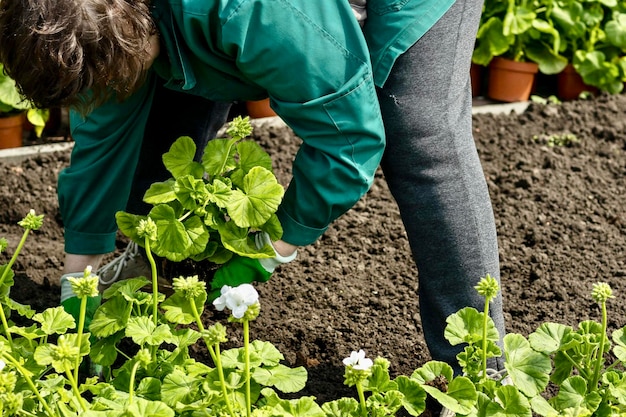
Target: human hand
(243, 270)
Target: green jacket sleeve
(313, 61)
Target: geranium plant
(594, 40)
(208, 209)
(521, 31)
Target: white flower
(237, 299)
(357, 360)
(2, 365)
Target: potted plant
(591, 41)
(13, 107)
(516, 37)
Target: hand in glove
(243, 270)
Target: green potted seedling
(593, 41)
(12, 109)
(515, 37)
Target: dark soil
(559, 212)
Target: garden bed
(560, 216)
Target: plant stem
(214, 350)
(75, 390)
(246, 350)
(30, 383)
(14, 257)
(484, 341)
(217, 359)
(5, 273)
(359, 390)
(79, 333)
(600, 353)
(5, 326)
(155, 280)
(131, 388)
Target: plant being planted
(211, 209)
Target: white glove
(269, 264)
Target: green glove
(242, 270)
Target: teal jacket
(309, 57)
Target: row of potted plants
(584, 37)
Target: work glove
(243, 270)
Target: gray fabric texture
(434, 172)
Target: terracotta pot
(476, 77)
(570, 84)
(511, 81)
(11, 129)
(259, 109)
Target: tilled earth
(557, 177)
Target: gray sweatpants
(433, 170)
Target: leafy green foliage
(209, 209)
(11, 102)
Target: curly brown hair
(75, 52)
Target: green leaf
(143, 331)
(259, 200)
(267, 352)
(55, 320)
(127, 223)
(379, 380)
(238, 240)
(30, 333)
(465, 326)
(619, 338)
(301, 407)
(491, 41)
(179, 159)
(149, 388)
(343, 407)
(529, 370)
(141, 407)
(572, 394)
(179, 387)
(510, 403)
(219, 157)
(414, 400)
(178, 309)
(38, 118)
(282, 377)
(460, 396)
(542, 407)
(22, 309)
(549, 337)
(191, 192)
(616, 30)
(104, 351)
(160, 192)
(384, 404)
(518, 21)
(251, 154)
(5, 288)
(433, 370)
(109, 318)
(177, 239)
(616, 385)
